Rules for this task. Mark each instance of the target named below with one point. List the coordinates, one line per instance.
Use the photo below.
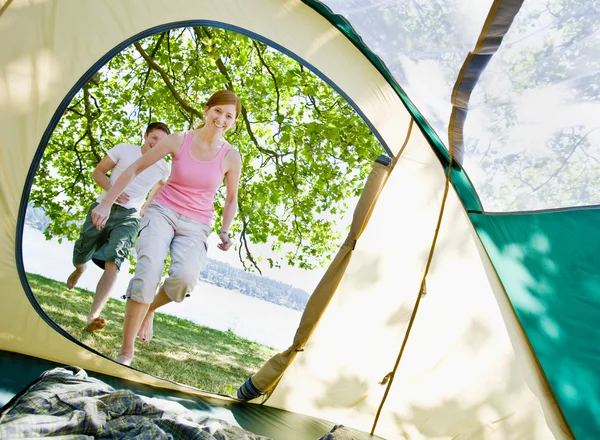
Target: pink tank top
(193, 183)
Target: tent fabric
(460, 374)
(532, 112)
(538, 88)
(268, 376)
(18, 372)
(41, 72)
(468, 369)
(459, 178)
(548, 263)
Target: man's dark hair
(158, 126)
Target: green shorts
(112, 243)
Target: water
(209, 305)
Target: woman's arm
(168, 145)
(232, 180)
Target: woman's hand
(100, 215)
(225, 241)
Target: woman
(179, 219)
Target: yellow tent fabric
(268, 376)
(468, 371)
(55, 42)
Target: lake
(209, 305)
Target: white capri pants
(162, 229)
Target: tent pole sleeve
(266, 379)
(497, 24)
(5, 6)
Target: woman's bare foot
(96, 324)
(125, 359)
(145, 333)
(74, 277)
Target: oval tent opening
(305, 154)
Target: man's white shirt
(124, 155)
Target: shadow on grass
(180, 351)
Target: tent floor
(17, 371)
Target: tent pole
(5, 7)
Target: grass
(180, 350)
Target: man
(109, 246)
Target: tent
(437, 318)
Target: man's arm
(99, 176)
(168, 145)
(155, 189)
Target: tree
(552, 58)
(305, 150)
(551, 44)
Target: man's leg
(85, 246)
(122, 227)
(75, 275)
(94, 321)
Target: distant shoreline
(220, 274)
(209, 305)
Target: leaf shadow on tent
(18, 16)
(346, 391)
(34, 65)
(369, 274)
(446, 418)
(548, 263)
(450, 416)
(350, 389)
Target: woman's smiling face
(220, 117)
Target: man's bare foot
(145, 333)
(74, 277)
(125, 359)
(96, 324)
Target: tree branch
(89, 121)
(152, 55)
(230, 86)
(76, 112)
(272, 76)
(553, 175)
(167, 81)
(244, 244)
(314, 104)
(80, 172)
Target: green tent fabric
(18, 371)
(549, 264)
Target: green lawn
(180, 350)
